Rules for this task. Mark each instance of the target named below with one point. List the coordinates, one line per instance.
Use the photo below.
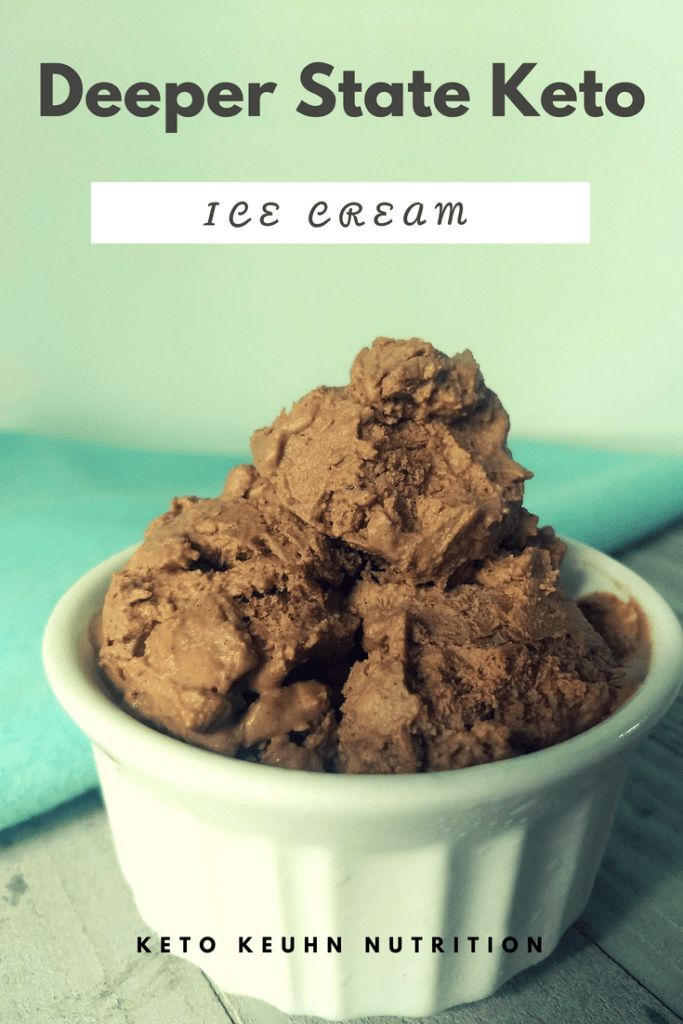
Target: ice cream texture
(370, 595)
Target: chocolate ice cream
(369, 595)
(214, 611)
(493, 667)
(408, 463)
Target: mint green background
(98, 342)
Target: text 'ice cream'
(370, 595)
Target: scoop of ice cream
(409, 463)
(370, 595)
(401, 380)
(205, 623)
(494, 667)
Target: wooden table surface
(68, 924)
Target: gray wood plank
(68, 928)
(660, 561)
(636, 910)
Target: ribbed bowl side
(525, 876)
(194, 876)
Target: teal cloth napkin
(66, 505)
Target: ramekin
(218, 849)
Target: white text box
(325, 212)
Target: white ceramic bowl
(221, 848)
